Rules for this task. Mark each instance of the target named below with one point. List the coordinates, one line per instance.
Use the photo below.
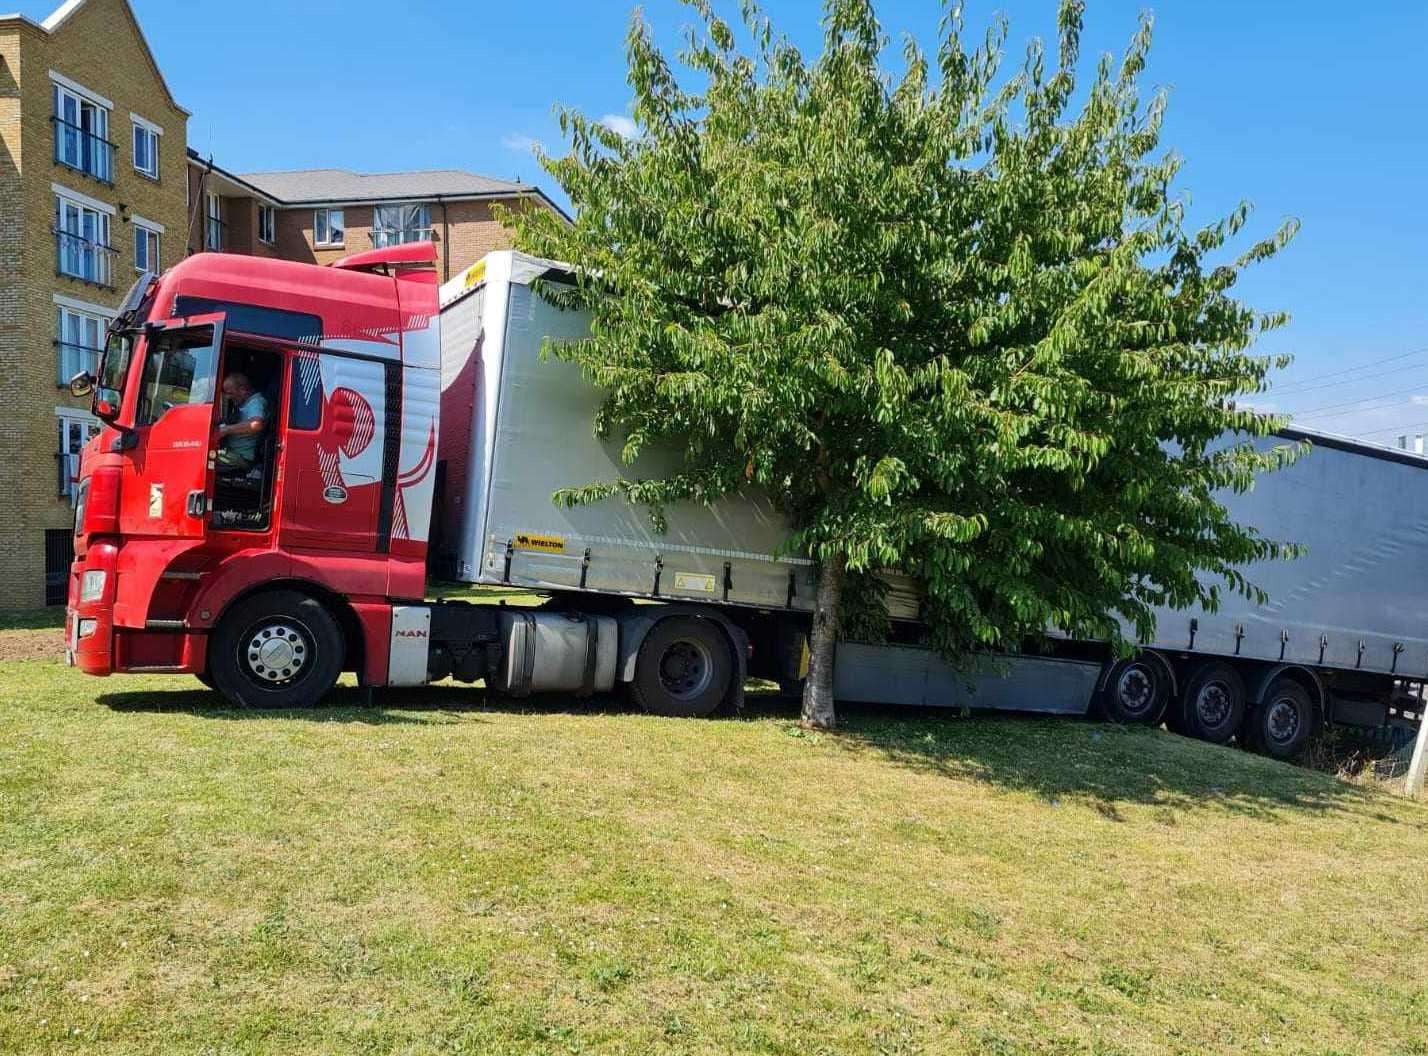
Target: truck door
(166, 484)
(337, 465)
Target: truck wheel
(683, 669)
(1213, 704)
(1136, 692)
(1285, 720)
(281, 649)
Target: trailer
(417, 427)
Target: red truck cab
(288, 565)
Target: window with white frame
(213, 217)
(146, 146)
(82, 241)
(76, 428)
(328, 228)
(82, 133)
(394, 224)
(146, 246)
(79, 337)
(267, 224)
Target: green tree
(954, 322)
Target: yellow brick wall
(100, 48)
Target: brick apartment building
(320, 215)
(92, 174)
(96, 184)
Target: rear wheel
(683, 669)
(1137, 692)
(281, 649)
(1212, 705)
(1285, 720)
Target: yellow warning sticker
(474, 274)
(693, 581)
(546, 544)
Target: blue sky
(1307, 108)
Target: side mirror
(105, 410)
(82, 384)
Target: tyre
(281, 649)
(1137, 692)
(1284, 721)
(1212, 705)
(683, 668)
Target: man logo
(335, 494)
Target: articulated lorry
(413, 427)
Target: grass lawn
(440, 874)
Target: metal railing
(80, 357)
(396, 236)
(83, 258)
(78, 148)
(215, 234)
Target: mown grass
(441, 874)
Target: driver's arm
(245, 428)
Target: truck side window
(178, 370)
(305, 404)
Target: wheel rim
(1282, 721)
(1214, 704)
(1135, 689)
(276, 652)
(686, 668)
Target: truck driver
(245, 421)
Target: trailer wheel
(1284, 721)
(1137, 692)
(1212, 706)
(280, 649)
(683, 669)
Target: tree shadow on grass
(1063, 759)
(420, 706)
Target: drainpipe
(196, 206)
(445, 242)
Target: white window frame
(212, 211)
(68, 420)
(154, 133)
(82, 97)
(143, 230)
(269, 212)
(395, 234)
(74, 314)
(329, 241)
(103, 215)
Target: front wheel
(683, 669)
(280, 649)
(1283, 723)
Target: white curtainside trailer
(1344, 631)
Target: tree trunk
(818, 711)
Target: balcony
(74, 357)
(83, 258)
(391, 236)
(79, 149)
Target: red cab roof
(407, 253)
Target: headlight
(91, 588)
